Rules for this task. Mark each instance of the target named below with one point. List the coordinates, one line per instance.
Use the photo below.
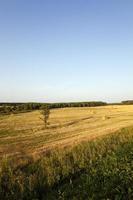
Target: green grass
(100, 169)
(108, 177)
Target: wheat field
(24, 133)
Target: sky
(66, 50)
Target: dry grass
(25, 134)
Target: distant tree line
(128, 102)
(78, 104)
(7, 108)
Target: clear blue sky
(66, 50)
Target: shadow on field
(70, 123)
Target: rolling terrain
(24, 133)
(85, 153)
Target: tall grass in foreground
(101, 169)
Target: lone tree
(45, 115)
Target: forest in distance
(6, 108)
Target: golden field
(24, 133)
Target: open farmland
(24, 133)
